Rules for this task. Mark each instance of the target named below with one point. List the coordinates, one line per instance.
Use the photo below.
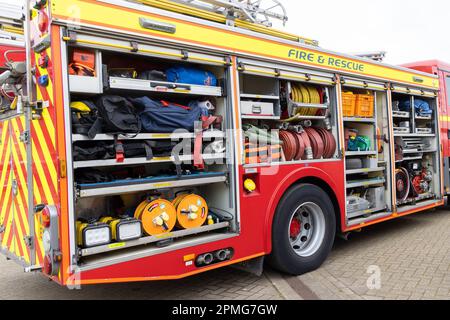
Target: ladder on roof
(376, 55)
(256, 11)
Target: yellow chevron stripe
(8, 225)
(20, 208)
(48, 159)
(18, 211)
(5, 184)
(42, 177)
(5, 144)
(22, 184)
(22, 149)
(50, 126)
(37, 194)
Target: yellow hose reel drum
(192, 211)
(158, 216)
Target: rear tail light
(45, 218)
(47, 265)
(49, 220)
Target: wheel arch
(312, 176)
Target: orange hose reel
(157, 216)
(191, 210)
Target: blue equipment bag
(189, 75)
(421, 107)
(166, 117)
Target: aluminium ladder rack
(254, 15)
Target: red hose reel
(308, 144)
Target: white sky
(409, 30)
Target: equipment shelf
(154, 239)
(137, 161)
(248, 117)
(364, 170)
(418, 151)
(257, 96)
(422, 197)
(154, 183)
(163, 87)
(364, 212)
(360, 120)
(401, 115)
(150, 136)
(360, 153)
(414, 135)
(429, 118)
(409, 159)
(309, 105)
(365, 183)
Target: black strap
(148, 150)
(95, 129)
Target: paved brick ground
(224, 284)
(412, 254)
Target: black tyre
(303, 230)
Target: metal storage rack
(417, 154)
(88, 86)
(357, 178)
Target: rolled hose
(309, 144)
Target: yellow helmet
(80, 106)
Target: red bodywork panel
(442, 70)
(257, 210)
(14, 56)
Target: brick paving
(412, 255)
(223, 284)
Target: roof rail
(256, 11)
(254, 15)
(377, 55)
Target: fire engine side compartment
(256, 216)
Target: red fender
(285, 184)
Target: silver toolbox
(376, 197)
(253, 108)
(424, 130)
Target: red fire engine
(283, 144)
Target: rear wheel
(303, 230)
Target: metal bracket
(72, 36)
(15, 188)
(185, 54)
(25, 137)
(29, 241)
(135, 46)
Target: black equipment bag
(86, 124)
(90, 176)
(153, 75)
(148, 149)
(86, 151)
(118, 115)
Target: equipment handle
(172, 86)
